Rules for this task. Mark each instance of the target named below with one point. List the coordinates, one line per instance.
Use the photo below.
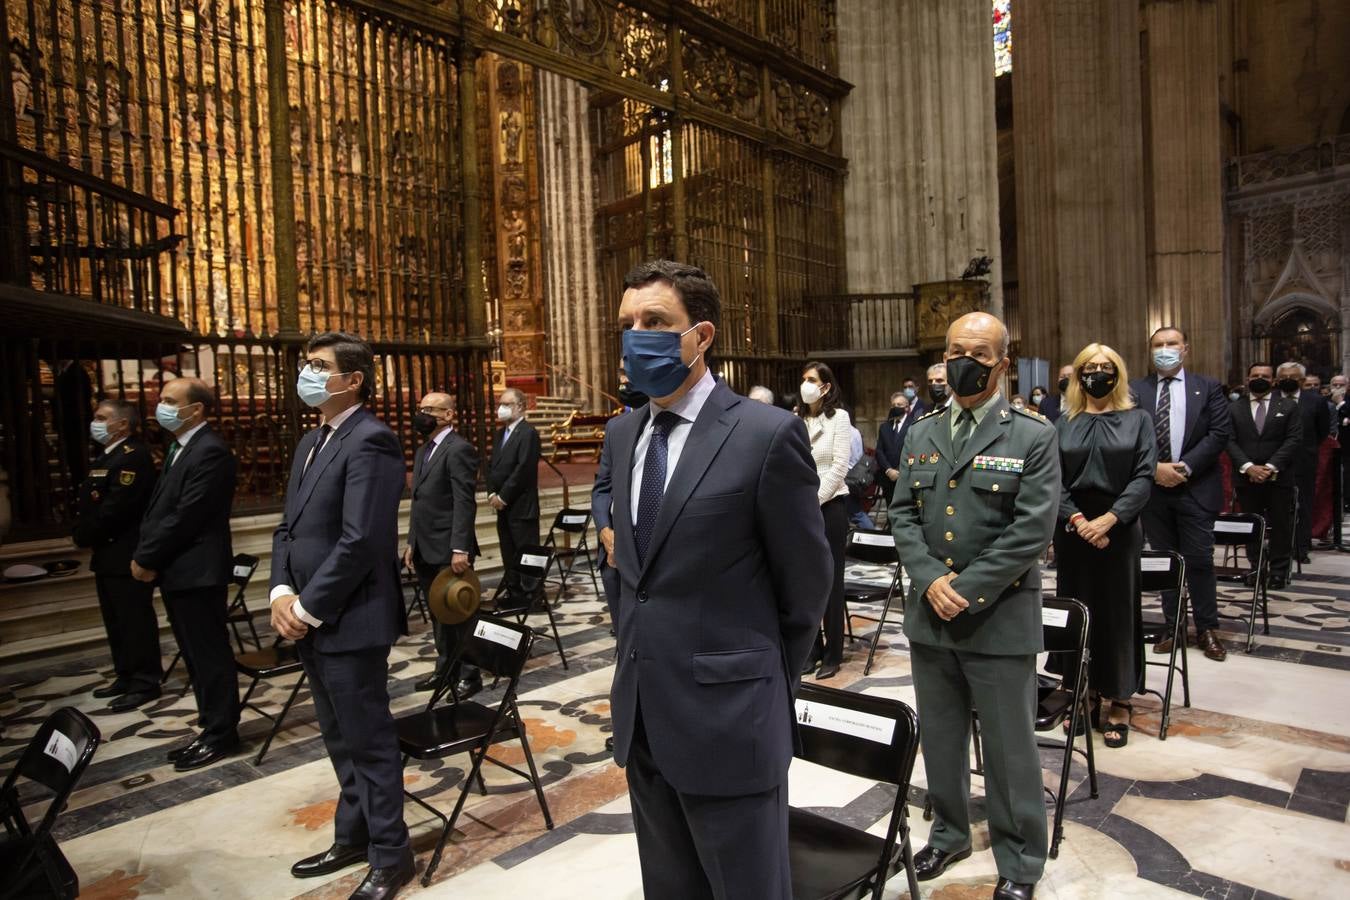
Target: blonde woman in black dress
(1107, 454)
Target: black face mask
(1259, 386)
(938, 392)
(967, 376)
(424, 424)
(897, 412)
(1063, 384)
(1098, 384)
(1288, 385)
(631, 397)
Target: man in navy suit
(1192, 426)
(336, 592)
(723, 573)
(185, 548)
(1050, 406)
(890, 438)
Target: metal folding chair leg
(876, 635)
(278, 718)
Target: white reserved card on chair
(533, 560)
(240, 571)
(62, 749)
(491, 631)
(874, 540)
(863, 725)
(1235, 527)
(1055, 618)
(573, 520)
(1152, 564)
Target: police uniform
(986, 514)
(112, 500)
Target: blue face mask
(1165, 359)
(99, 432)
(313, 386)
(910, 393)
(168, 417)
(652, 361)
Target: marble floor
(1246, 798)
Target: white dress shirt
(436, 442)
(285, 590)
(186, 436)
(1177, 420)
(113, 444)
(687, 408)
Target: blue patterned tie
(1162, 428)
(653, 483)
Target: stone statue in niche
(511, 129)
(520, 319)
(514, 191)
(112, 104)
(516, 278)
(513, 223)
(20, 76)
(520, 356)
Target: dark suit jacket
(889, 442)
(113, 499)
(443, 502)
(337, 543)
(1278, 443)
(714, 627)
(185, 535)
(1050, 407)
(1316, 426)
(1209, 427)
(513, 471)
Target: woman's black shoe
(811, 666)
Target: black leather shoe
(329, 861)
(811, 665)
(467, 687)
(131, 701)
(930, 862)
(201, 755)
(384, 884)
(1011, 890)
(108, 690)
(609, 745)
(176, 752)
(1278, 583)
(428, 684)
(827, 670)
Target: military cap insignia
(127, 477)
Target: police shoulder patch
(127, 477)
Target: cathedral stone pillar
(1184, 197)
(918, 129)
(1079, 145)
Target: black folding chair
(277, 661)
(1166, 571)
(875, 738)
(418, 601)
(499, 648)
(574, 522)
(532, 566)
(1066, 625)
(55, 758)
(237, 612)
(1246, 529)
(874, 547)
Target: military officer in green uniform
(974, 507)
(112, 500)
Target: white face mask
(811, 393)
(505, 413)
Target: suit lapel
(996, 421)
(1149, 400)
(625, 434)
(1195, 398)
(183, 453)
(706, 436)
(325, 455)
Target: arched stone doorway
(1304, 335)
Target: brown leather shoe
(1163, 646)
(1209, 642)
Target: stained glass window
(1002, 36)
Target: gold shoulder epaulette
(1031, 414)
(932, 412)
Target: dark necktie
(171, 455)
(1162, 427)
(653, 483)
(965, 424)
(324, 431)
(1260, 415)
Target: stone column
(918, 130)
(578, 317)
(1184, 196)
(1077, 134)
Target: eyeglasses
(1092, 368)
(433, 410)
(318, 366)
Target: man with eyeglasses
(336, 593)
(441, 524)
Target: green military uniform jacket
(112, 501)
(987, 515)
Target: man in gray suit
(441, 523)
(723, 573)
(336, 592)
